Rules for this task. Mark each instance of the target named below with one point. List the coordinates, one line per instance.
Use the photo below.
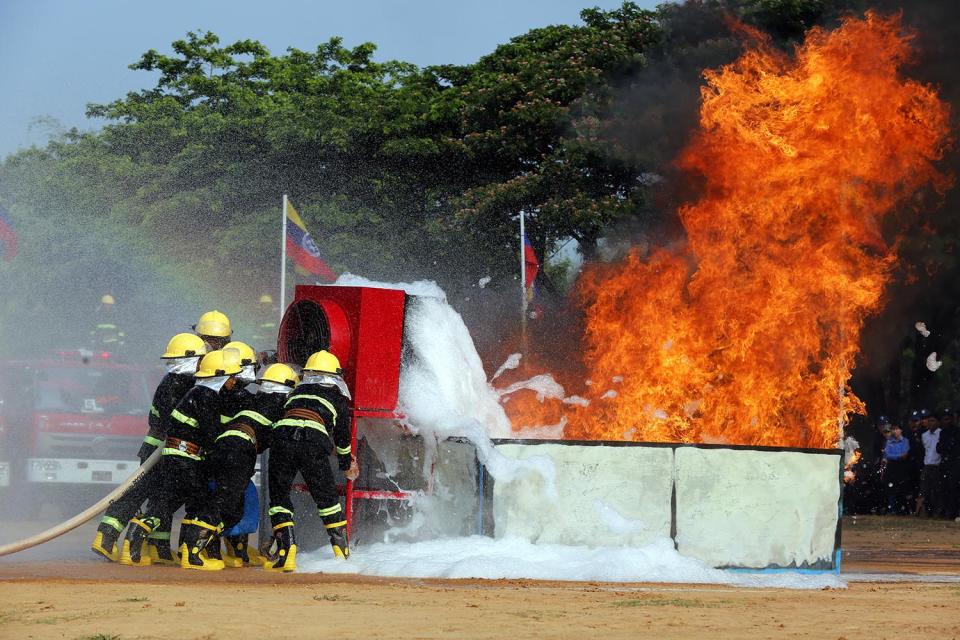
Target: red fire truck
(74, 419)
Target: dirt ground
(82, 598)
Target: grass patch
(135, 599)
(100, 636)
(665, 602)
(327, 597)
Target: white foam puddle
(512, 558)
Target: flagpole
(523, 286)
(283, 257)
(265, 457)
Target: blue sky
(56, 56)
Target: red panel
(366, 335)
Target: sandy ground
(59, 593)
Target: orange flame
(748, 333)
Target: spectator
(913, 434)
(874, 485)
(929, 500)
(948, 447)
(896, 470)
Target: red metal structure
(363, 327)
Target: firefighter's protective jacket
(257, 417)
(195, 419)
(321, 408)
(170, 391)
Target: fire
(747, 334)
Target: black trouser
(149, 486)
(306, 451)
(233, 462)
(184, 482)
(896, 478)
(931, 483)
(951, 488)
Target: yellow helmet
(247, 354)
(266, 299)
(323, 361)
(106, 299)
(213, 323)
(280, 373)
(184, 345)
(219, 363)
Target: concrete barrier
(729, 506)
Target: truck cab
(74, 418)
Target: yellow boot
(134, 552)
(196, 537)
(160, 553)
(105, 542)
(285, 557)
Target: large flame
(747, 334)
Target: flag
(303, 250)
(8, 238)
(531, 266)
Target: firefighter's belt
(305, 414)
(240, 430)
(184, 446)
(300, 418)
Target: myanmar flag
(303, 250)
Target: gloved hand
(353, 472)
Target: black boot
(338, 539)
(159, 550)
(237, 552)
(196, 536)
(212, 549)
(284, 558)
(134, 545)
(105, 542)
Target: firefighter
(233, 402)
(267, 328)
(194, 425)
(106, 334)
(181, 358)
(214, 328)
(315, 423)
(234, 455)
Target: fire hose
(86, 515)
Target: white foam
(543, 385)
(512, 362)
(513, 558)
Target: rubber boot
(236, 551)
(285, 557)
(159, 551)
(105, 542)
(338, 540)
(213, 550)
(134, 551)
(196, 535)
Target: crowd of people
(218, 407)
(913, 468)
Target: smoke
(655, 112)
